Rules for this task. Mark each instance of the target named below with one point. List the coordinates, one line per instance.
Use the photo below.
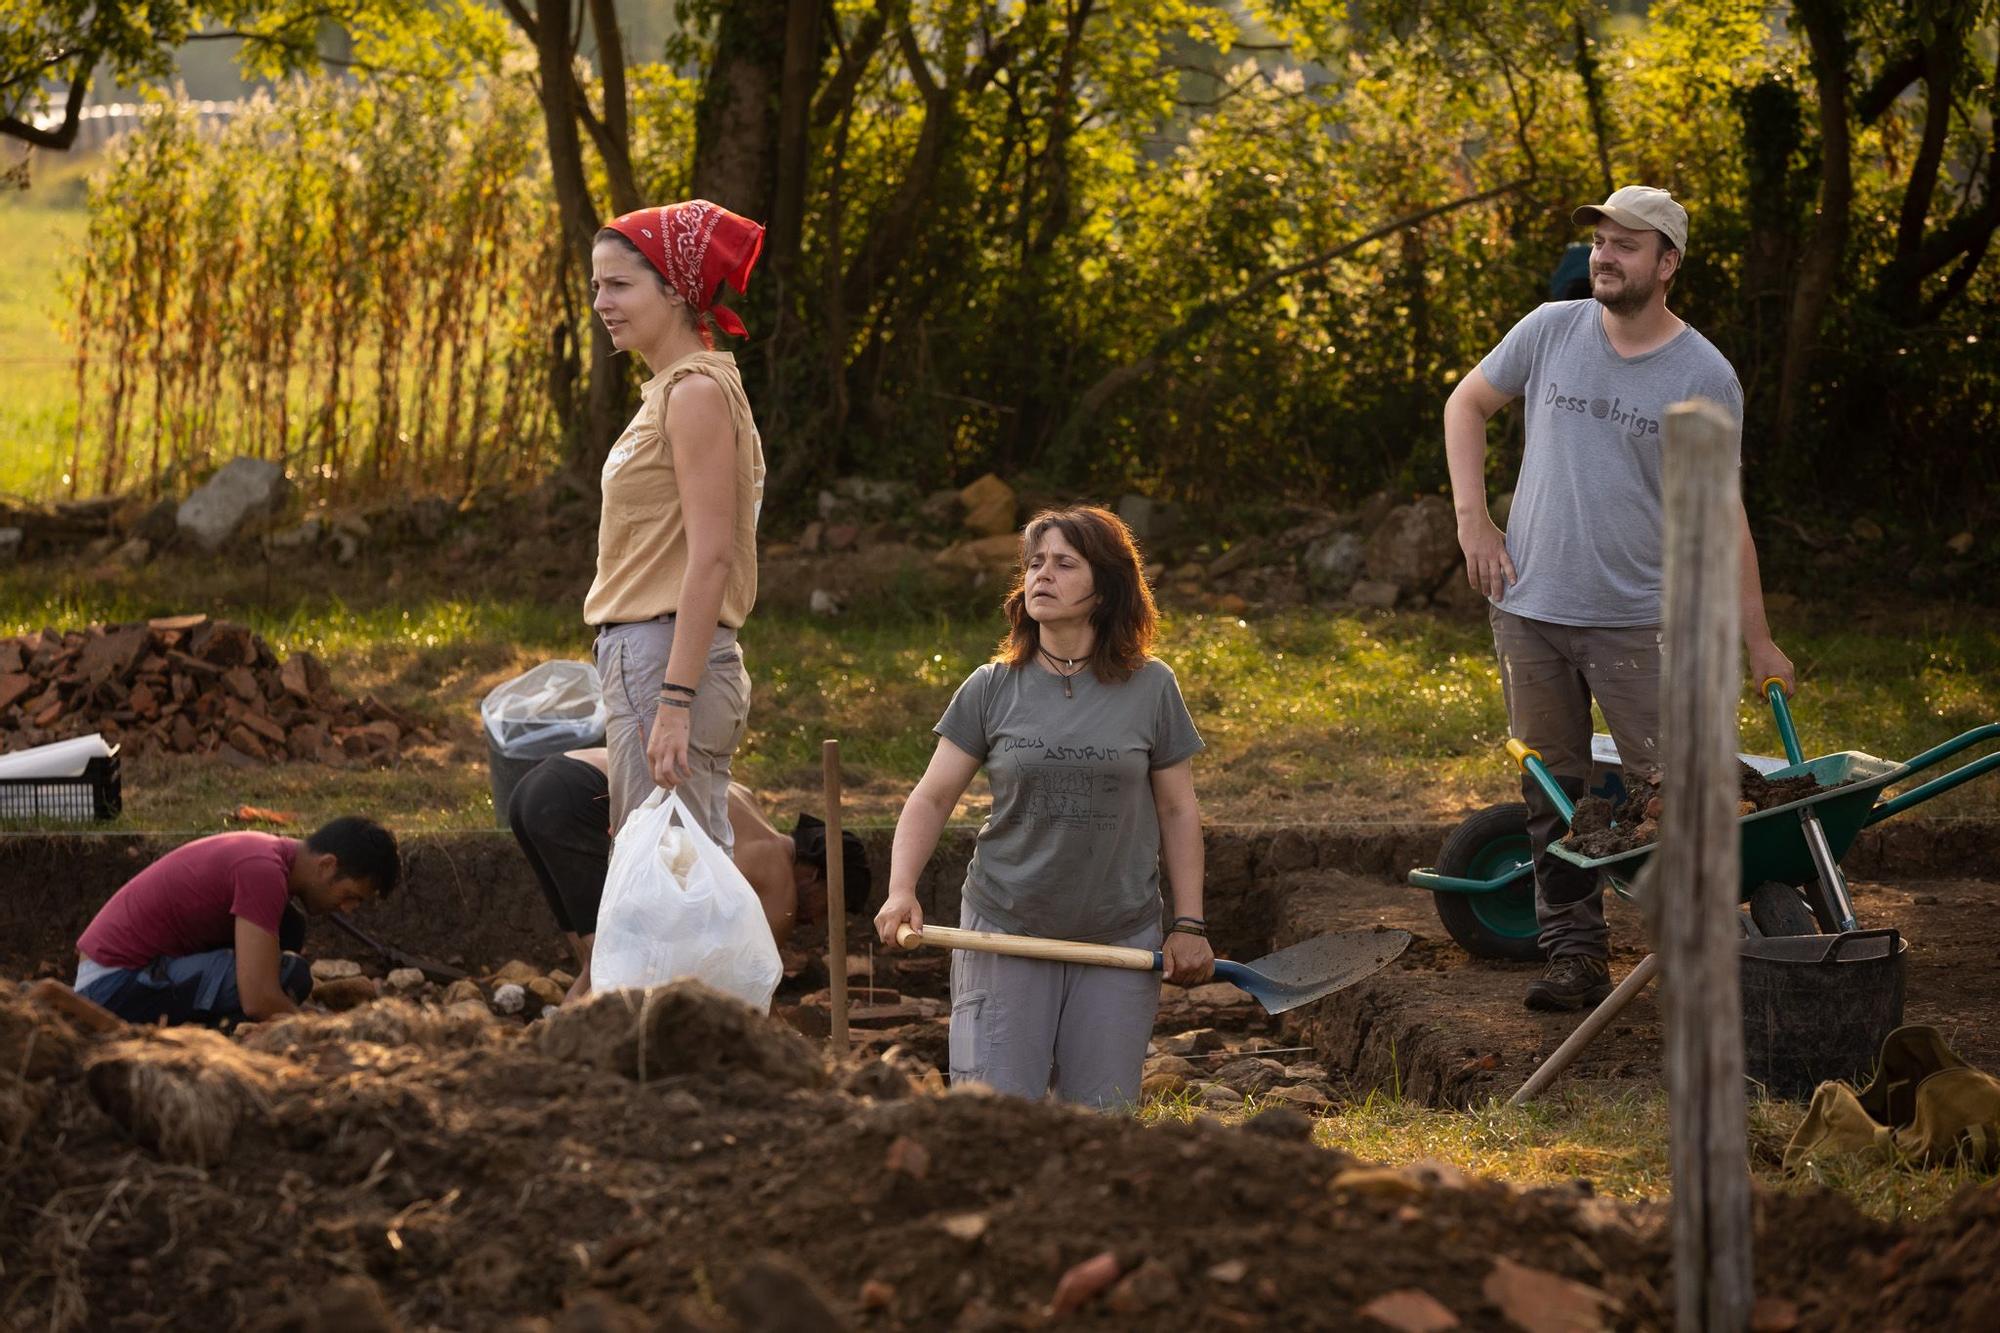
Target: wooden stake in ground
(1693, 905)
(836, 897)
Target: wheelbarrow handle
(1781, 712)
(1530, 759)
(1939, 785)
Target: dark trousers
(561, 815)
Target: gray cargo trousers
(632, 661)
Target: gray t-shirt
(1071, 850)
(1585, 528)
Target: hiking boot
(1573, 981)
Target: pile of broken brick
(190, 685)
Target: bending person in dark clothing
(203, 934)
(560, 815)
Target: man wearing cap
(1574, 581)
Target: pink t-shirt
(187, 902)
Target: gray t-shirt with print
(1585, 530)
(1071, 850)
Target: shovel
(433, 971)
(1280, 981)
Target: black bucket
(503, 774)
(1817, 1007)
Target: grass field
(39, 229)
(1618, 1141)
(1310, 716)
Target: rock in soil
(1251, 1075)
(1410, 1311)
(1218, 1095)
(1198, 1041)
(345, 992)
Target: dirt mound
(398, 1168)
(680, 1029)
(181, 1093)
(189, 685)
(1598, 829)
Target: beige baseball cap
(1641, 207)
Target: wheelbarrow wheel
(1500, 924)
(1780, 909)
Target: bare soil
(1451, 1030)
(691, 1166)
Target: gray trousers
(1549, 674)
(631, 662)
(1027, 1026)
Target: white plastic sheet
(557, 706)
(60, 759)
(676, 906)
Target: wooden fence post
(836, 902)
(1694, 907)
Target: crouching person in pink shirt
(196, 936)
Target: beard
(1630, 296)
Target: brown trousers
(1550, 674)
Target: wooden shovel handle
(1027, 946)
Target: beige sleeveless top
(642, 552)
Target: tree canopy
(1211, 250)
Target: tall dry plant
(357, 282)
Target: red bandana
(697, 246)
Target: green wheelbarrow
(1484, 888)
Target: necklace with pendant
(1068, 667)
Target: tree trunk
(1773, 119)
(736, 129)
(1921, 253)
(1819, 265)
(798, 83)
(1593, 98)
(613, 131)
(62, 136)
(604, 400)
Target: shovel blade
(1314, 968)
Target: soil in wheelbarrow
(689, 1165)
(1598, 829)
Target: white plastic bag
(676, 906)
(554, 707)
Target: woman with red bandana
(677, 542)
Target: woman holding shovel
(1088, 747)
(677, 542)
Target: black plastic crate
(96, 793)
